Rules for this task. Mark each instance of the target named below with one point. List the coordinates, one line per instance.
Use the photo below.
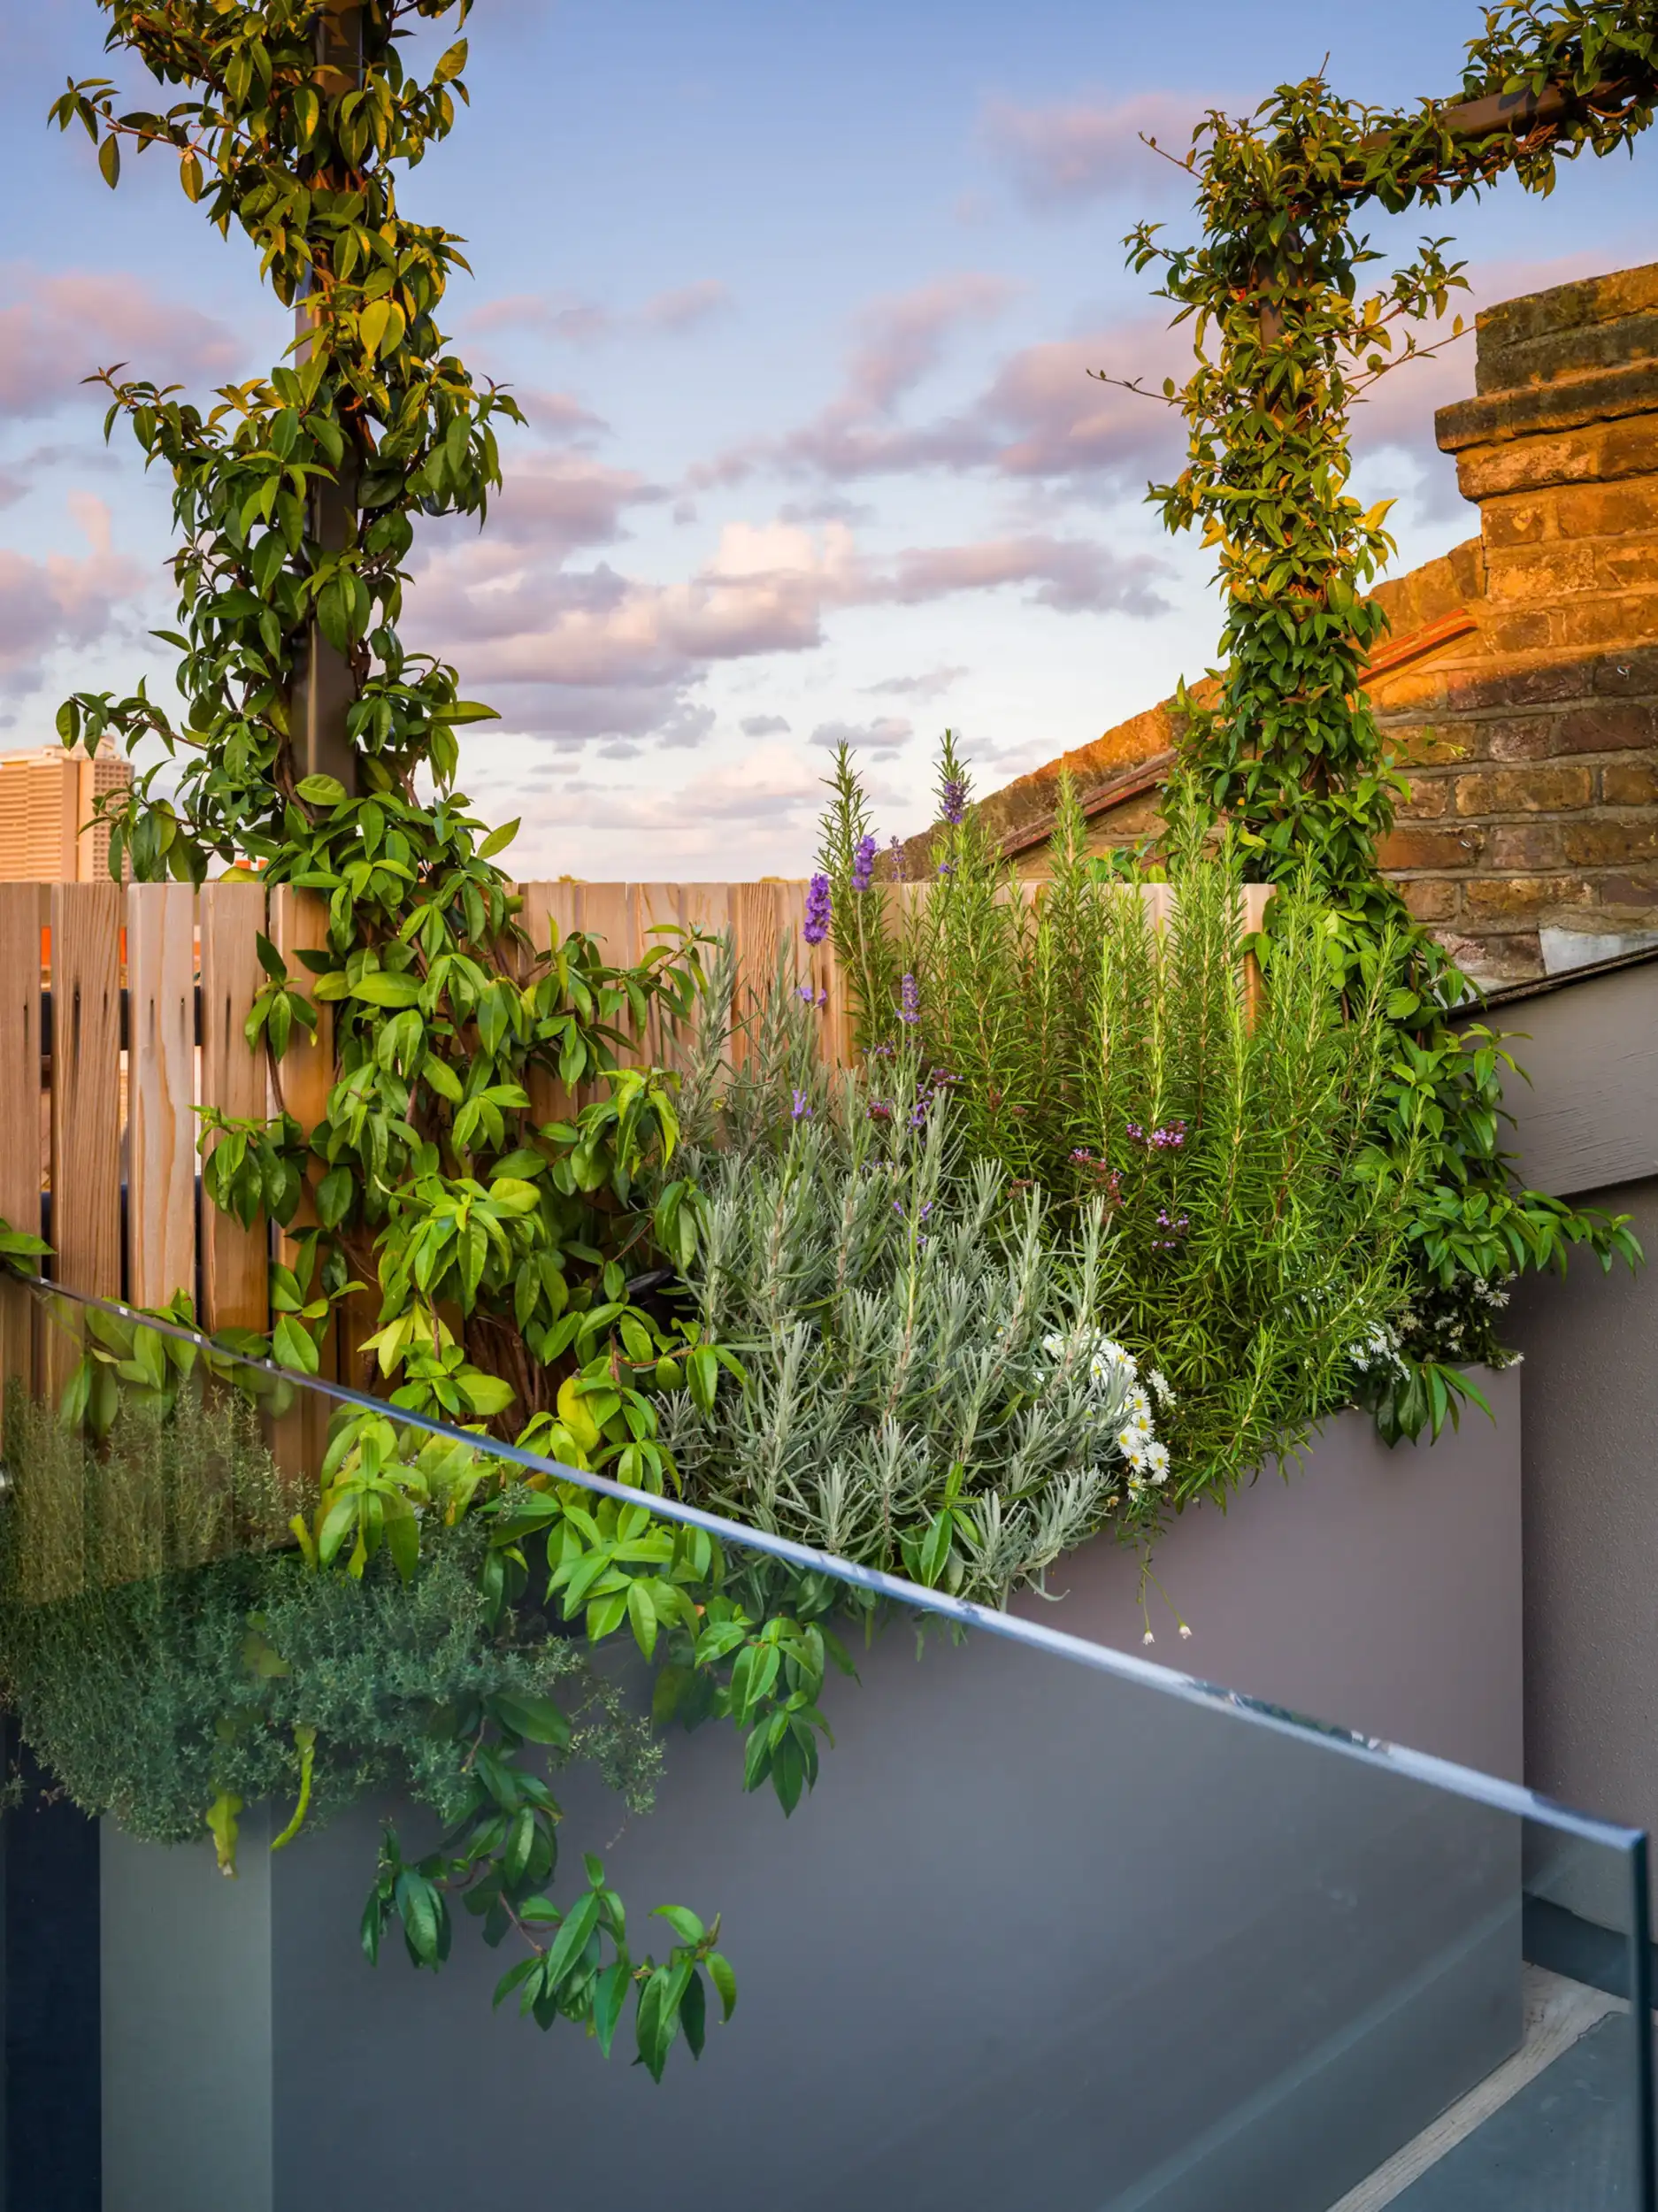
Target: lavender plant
(927, 1389)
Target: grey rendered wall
(1040, 1937)
(1380, 1589)
(1037, 1939)
(187, 2024)
(1587, 1129)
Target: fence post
(234, 1287)
(160, 1092)
(21, 1159)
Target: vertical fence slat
(233, 1259)
(21, 1159)
(656, 916)
(547, 907)
(85, 1112)
(756, 920)
(160, 1092)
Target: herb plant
(1255, 1225)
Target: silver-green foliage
(924, 1390)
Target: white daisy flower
(1157, 1462)
(1160, 1384)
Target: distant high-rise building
(47, 831)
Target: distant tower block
(47, 831)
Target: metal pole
(324, 687)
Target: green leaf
(572, 1940)
(109, 162)
(724, 1980)
(381, 986)
(537, 1719)
(684, 1922)
(464, 710)
(321, 791)
(498, 840)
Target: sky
(801, 304)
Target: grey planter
(1040, 1937)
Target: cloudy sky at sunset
(800, 303)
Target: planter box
(1040, 1937)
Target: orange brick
(1427, 800)
(1614, 728)
(1608, 510)
(1626, 564)
(1610, 844)
(1526, 629)
(1521, 520)
(1544, 789)
(1609, 619)
(1628, 675)
(1428, 900)
(1519, 737)
(1518, 899)
(1515, 845)
(1629, 783)
(1429, 848)
(1543, 572)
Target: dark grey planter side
(1039, 1938)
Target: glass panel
(1054, 1927)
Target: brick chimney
(1527, 711)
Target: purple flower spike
(895, 853)
(802, 1109)
(955, 800)
(908, 999)
(863, 864)
(819, 907)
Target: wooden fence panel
(85, 1112)
(160, 1092)
(235, 1272)
(82, 1153)
(21, 1160)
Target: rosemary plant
(1251, 1225)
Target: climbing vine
(516, 1262)
(1290, 334)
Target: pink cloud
(687, 306)
(55, 330)
(59, 601)
(585, 322)
(1076, 151)
(1073, 575)
(888, 733)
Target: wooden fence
(121, 1011)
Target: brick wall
(1520, 680)
(1530, 838)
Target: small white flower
(1149, 1637)
(1132, 1443)
(1115, 1357)
(1184, 1631)
(1156, 1459)
(1160, 1384)
(1138, 1408)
